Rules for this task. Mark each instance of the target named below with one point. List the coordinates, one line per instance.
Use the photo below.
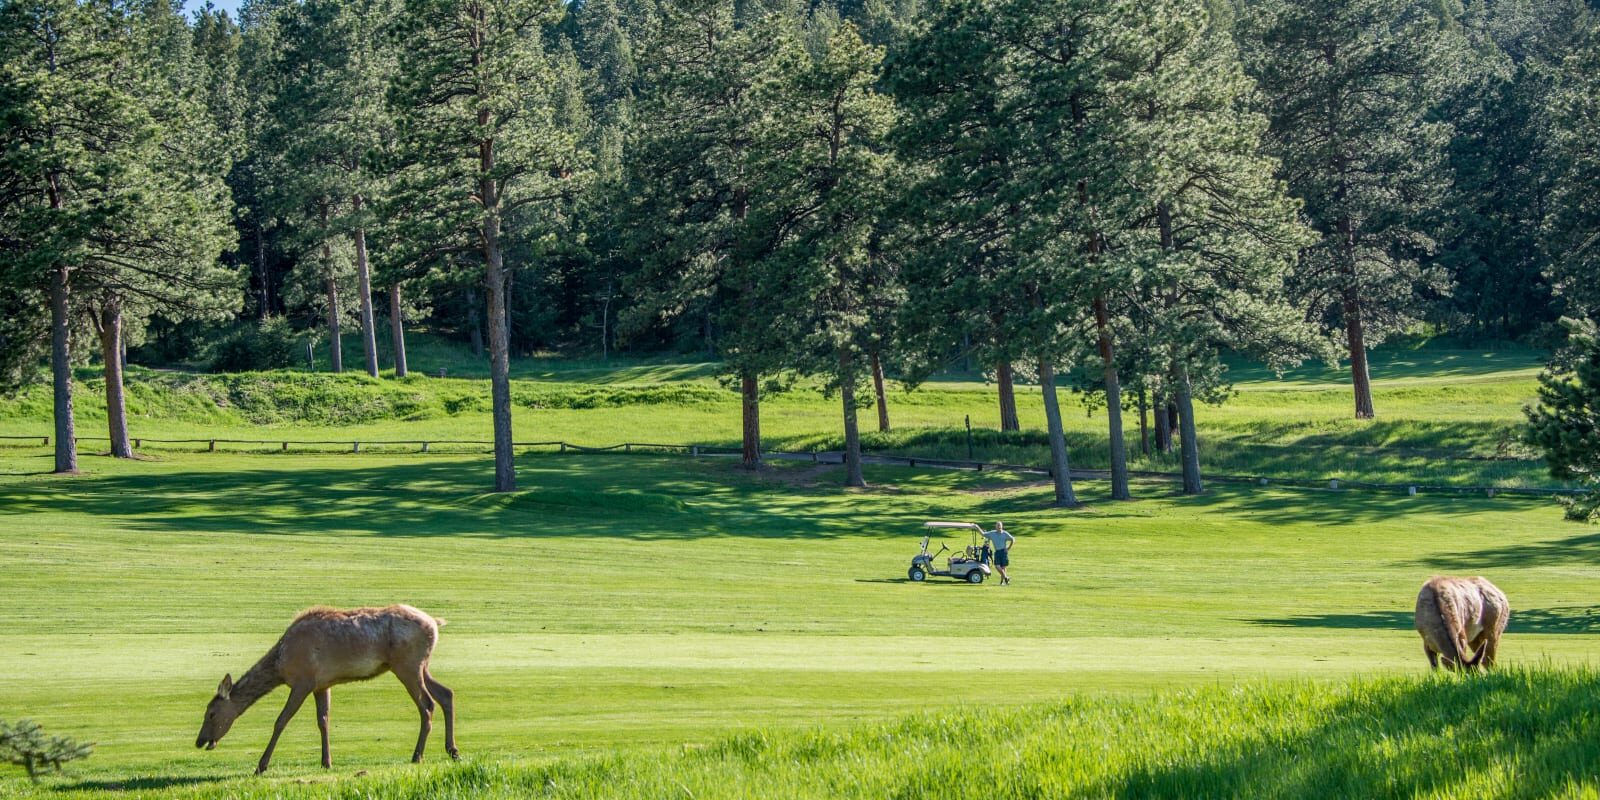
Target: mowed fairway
(637, 601)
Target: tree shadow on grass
(1581, 548)
(1335, 508)
(640, 497)
(1398, 739)
(1563, 619)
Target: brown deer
(1461, 621)
(324, 647)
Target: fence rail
(829, 457)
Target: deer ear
(226, 687)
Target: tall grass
(1520, 733)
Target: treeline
(1099, 192)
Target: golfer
(1000, 539)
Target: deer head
(220, 714)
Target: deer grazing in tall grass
(324, 647)
(1461, 621)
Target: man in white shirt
(1000, 541)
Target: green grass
(648, 626)
(622, 608)
(1519, 734)
(1446, 416)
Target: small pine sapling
(26, 745)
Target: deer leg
(1433, 658)
(447, 702)
(324, 698)
(412, 679)
(297, 696)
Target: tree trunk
(1144, 425)
(369, 328)
(397, 331)
(335, 345)
(751, 393)
(261, 274)
(61, 367)
(1355, 333)
(1163, 426)
(505, 467)
(1359, 376)
(1191, 440)
(852, 432)
(1008, 398)
(1119, 448)
(1060, 467)
(877, 389)
(109, 326)
(474, 323)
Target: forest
(1097, 195)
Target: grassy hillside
(1526, 733)
(1445, 416)
(621, 603)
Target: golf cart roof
(968, 525)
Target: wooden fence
(307, 446)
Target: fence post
(213, 447)
(355, 447)
(1490, 491)
(814, 458)
(911, 462)
(1264, 481)
(694, 450)
(627, 447)
(424, 447)
(138, 444)
(46, 441)
(1411, 491)
(285, 447)
(563, 446)
(1333, 484)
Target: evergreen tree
(1565, 425)
(94, 199)
(688, 190)
(326, 122)
(1348, 86)
(1574, 221)
(822, 175)
(1220, 235)
(480, 138)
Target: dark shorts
(1002, 558)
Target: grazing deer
(328, 646)
(1461, 616)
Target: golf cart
(970, 565)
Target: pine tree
(1574, 223)
(687, 190)
(1565, 425)
(1348, 86)
(102, 196)
(480, 138)
(1220, 234)
(822, 173)
(326, 121)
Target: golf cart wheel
(917, 575)
(975, 576)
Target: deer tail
(1455, 630)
